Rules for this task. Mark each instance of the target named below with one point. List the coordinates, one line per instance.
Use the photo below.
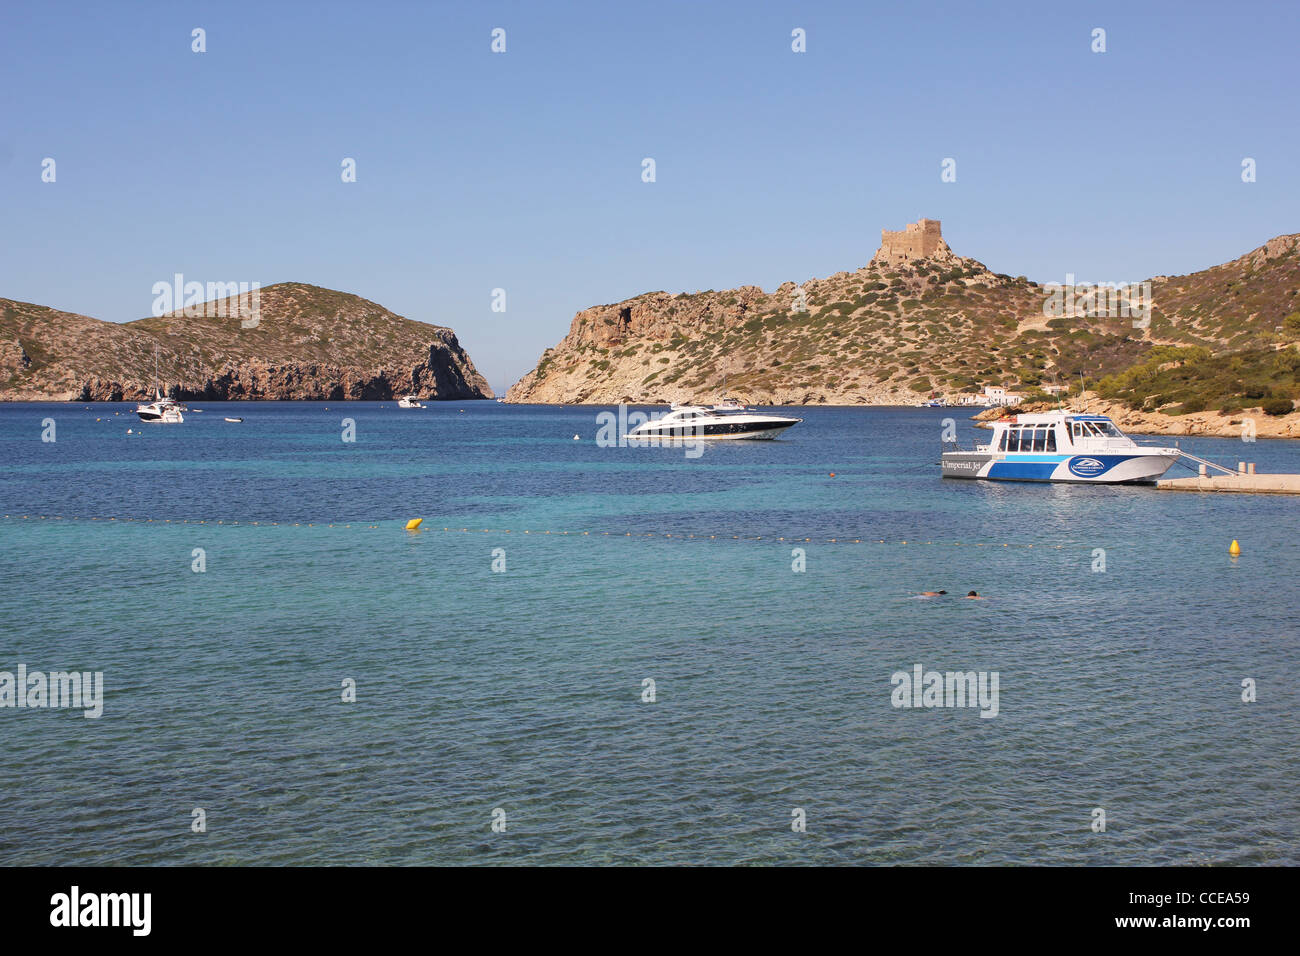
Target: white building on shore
(998, 395)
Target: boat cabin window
(1028, 438)
(1085, 430)
(1095, 430)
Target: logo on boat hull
(1087, 467)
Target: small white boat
(729, 405)
(696, 421)
(409, 401)
(1060, 446)
(234, 420)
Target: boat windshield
(1104, 429)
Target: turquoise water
(521, 690)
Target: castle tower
(922, 239)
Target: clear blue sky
(523, 170)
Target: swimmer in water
(931, 593)
(973, 596)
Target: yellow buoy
(413, 524)
(1234, 549)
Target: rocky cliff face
(306, 343)
(853, 338)
(901, 328)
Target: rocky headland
(302, 343)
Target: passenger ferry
(1060, 446)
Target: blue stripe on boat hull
(1023, 470)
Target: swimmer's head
(971, 594)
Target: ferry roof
(1048, 418)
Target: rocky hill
(304, 342)
(917, 320)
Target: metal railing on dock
(1205, 462)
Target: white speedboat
(696, 421)
(1060, 446)
(409, 401)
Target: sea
(590, 652)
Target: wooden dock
(1251, 484)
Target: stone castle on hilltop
(920, 240)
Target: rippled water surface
(522, 689)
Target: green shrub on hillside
(1195, 379)
(1277, 406)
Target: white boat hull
(1107, 469)
(739, 430)
(170, 416)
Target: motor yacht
(161, 411)
(1059, 446)
(409, 401)
(697, 421)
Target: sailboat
(161, 411)
(728, 404)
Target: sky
(523, 170)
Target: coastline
(1209, 424)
